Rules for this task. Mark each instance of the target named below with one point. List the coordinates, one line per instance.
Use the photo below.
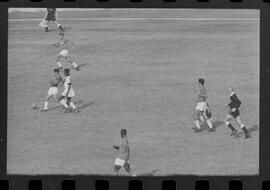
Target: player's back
(124, 149)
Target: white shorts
(64, 53)
(120, 162)
(201, 106)
(53, 90)
(70, 94)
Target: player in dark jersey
(53, 90)
(50, 16)
(234, 113)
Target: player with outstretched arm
(65, 45)
(50, 16)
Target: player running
(68, 94)
(201, 107)
(64, 45)
(123, 154)
(207, 115)
(53, 90)
(50, 16)
(234, 113)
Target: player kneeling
(123, 155)
(53, 90)
(68, 93)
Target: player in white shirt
(65, 45)
(68, 93)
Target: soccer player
(123, 154)
(50, 16)
(234, 113)
(68, 94)
(64, 45)
(201, 106)
(53, 90)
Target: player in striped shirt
(201, 107)
(234, 113)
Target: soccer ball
(34, 106)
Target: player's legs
(46, 102)
(72, 105)
(197, 116)
(210, 125)
(228, 120)
(116, 169)
(58, 25)
(242, 126)
(127, 168)
(46, 25)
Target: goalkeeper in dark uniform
(50, 16)
(234, 113)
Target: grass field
(140, 75)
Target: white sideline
(136, 19)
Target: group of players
(64, 44)
(203, 111)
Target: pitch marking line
(138, 19)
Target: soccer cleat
(247, 136)
(44, 110)
(233, 132)
(46, 29)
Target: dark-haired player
(65, 45)
(50, 16)
(53, 90)
(68, 93)
(234, 113)
(201, 106)
(122, 159)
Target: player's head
(66, 72)
(201, 81)
(61, 35)
(123, 132)
(56, 71)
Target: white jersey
(67, 83)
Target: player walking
(50, 16)
(201, 107)
(53, 90)
(68, 94)
(234, 113)
(64, 45)
(123, 154)
(207, 115)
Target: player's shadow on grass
(59, 106)
(64, 29)
(218, 123)
(86, 105)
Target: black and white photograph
(133, 92)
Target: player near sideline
(123, 154)
(64, 45)
(50, 16)
(53, 90)
(234, 113)
(201, 107)
(68, 93)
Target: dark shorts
(50, 17)
(235, 113)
